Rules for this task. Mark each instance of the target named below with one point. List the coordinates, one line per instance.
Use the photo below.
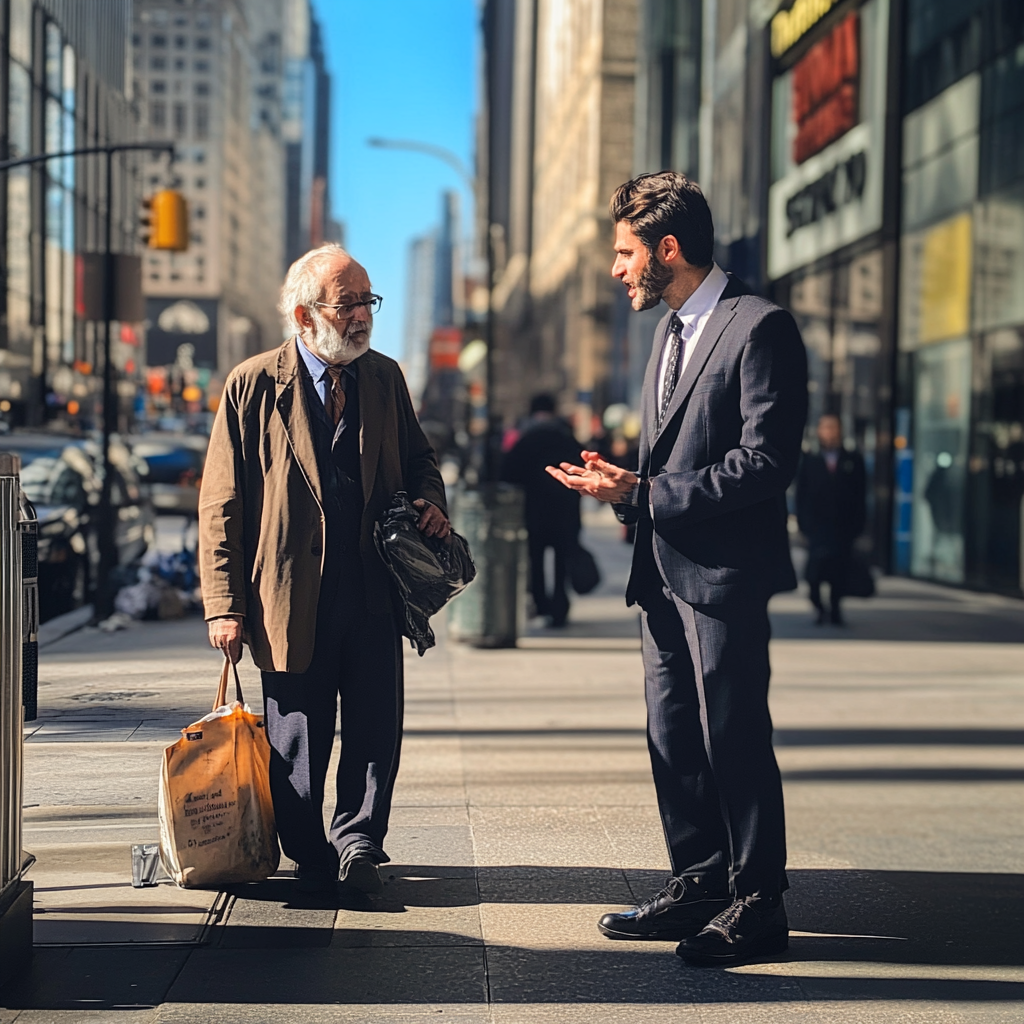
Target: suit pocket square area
(708, 382)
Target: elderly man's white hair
(303, 284)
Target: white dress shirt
(694, 313)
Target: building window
(158, 64)
(199, 156)
(180, 120)
(158, 87)
(159, 40)
(202, 88)
(202, 21)
(200, 183)
(179, 64)
(202, 66)
(202, 120)
(158, 114)
(200, 213)
(181, 42)
(203, 43)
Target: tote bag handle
(222, 689)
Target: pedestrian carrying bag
(216, 815)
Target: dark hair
(667, 203)
(542, 403)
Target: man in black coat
(723, 408)
(552, 512)
(830, 511)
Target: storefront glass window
(942, 398)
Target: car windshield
(49, 480)
(170, 464)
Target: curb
(61, 626)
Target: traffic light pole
(106, 525)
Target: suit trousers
(710, 738)
(357, 657)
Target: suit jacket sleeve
(422, 477)
(221, 530)
(773, 410)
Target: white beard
(334, 346)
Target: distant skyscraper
(306, 134)
(419, 311)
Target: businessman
(723, 409)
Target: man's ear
(303, 317)
(669, 250)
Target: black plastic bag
(427, 571)
(584, 574)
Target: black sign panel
(172, 323)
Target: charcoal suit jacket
(711, 519)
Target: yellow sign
(946, 280)
(789, 27)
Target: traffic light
(165, 221)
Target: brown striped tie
(335, 395)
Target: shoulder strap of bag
(222, 689)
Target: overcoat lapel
(298, 427)
(372, 403)
(713, 330)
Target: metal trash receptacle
(490, 612)
(15, 892)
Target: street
(525, 809)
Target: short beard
(654, 279)
(334, 346)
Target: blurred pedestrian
(552, 512)
(830, 510)
(723, 408)
(310, 443)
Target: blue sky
(406, 69)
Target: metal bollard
(15, 894)
(490, 612)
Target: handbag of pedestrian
(216, 815)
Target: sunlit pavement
(525, 809)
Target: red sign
(825, 89)
(445, 346)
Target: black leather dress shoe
(750, 929)
(358, 868)
(314, 879)
(679, 910)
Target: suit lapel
(372, 403)
(713, 330)
(649, 394)
(298, 427)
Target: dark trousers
(553, 602)
(710, 738)
(357, 657)
(829, 565)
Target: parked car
(175, 463)
(62, 476)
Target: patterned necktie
(671, 365)
(335, 398)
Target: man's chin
(642, 301)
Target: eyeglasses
(346, 309)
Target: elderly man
(310, 442)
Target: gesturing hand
(432, 521)
(596, 477)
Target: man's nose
(362, 313)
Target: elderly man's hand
(432, 521)
(226, 635)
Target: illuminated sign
(789, 27)
(825, 90)
(828, 142)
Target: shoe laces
(673, 890)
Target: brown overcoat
(261, 519)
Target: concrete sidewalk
(525, 809)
